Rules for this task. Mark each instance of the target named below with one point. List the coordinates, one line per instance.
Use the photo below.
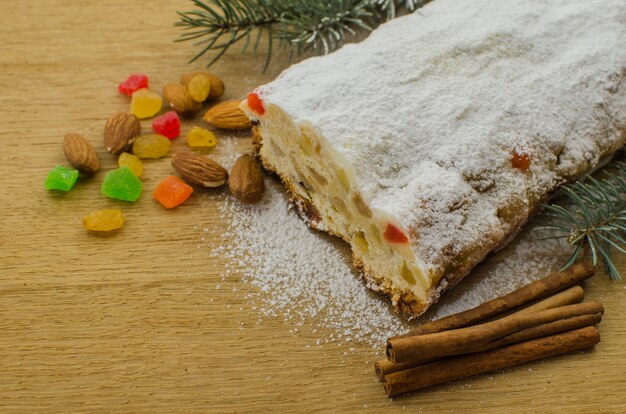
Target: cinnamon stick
(457, 341)
(473, 364)
(567, 297)
(386, 367)
(555, 282)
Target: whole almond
(227, 115)
(80, 153)
(120, 132)
(179, 99)
(217, 86)
(246, 181)
(199, 170)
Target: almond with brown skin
(246, 180)
(120, 132)
(227, 115)
(179, 98)
(217, 86)
(80, 153)
(199, 170)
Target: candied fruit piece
(145, 104)
(167, 124)
(121, 184)
(134, 82)
(61, 178)
(199, 87)
(201, 138)
(520, 160)
(103, 220)
(151, 146)
(132, 162)
(395, 235)
(172, 191)
(255, 103)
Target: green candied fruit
(121, 184)
(61, 178)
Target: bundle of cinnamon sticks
(542, 319)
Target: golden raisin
(199, 87)
(151, 146)
(103, 220)
(132, 162)
(201, 138)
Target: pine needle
(593, 217)
(298, 25)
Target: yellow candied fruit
(132, 162)
(199, 88)
(201, 138)
(145, 103)
(104, 220)
(151, 146)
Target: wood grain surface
(133, 322)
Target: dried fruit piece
(217, 86)
(151, 146)
(145, 103)
(80, 153)
(134, 82)
(255, 103)
(246, 181)
(227, 115)
(520, 160)
(172, 191)
(132, 162)
(199, 87)
(179, 98)
(201, 138)
(61, 178)
(121, 184)
(120, 132)
(199, 170)
(167, 124)
(103, 220)
(394, 235)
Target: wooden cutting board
(133, 322)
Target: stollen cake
(433, 141)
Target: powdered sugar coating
(428, 109)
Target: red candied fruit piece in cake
(520, 160)
(255, 103)
(395, 235)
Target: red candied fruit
(395, 235)
(134, 82)
(167, 124)
(172, 191)
(255, 103)
(520, 160)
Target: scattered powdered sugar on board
(300, 274)
(307, 278)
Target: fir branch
(593, 217)
(299, 25)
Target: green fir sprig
(298, 25)
(592, 217)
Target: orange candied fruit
(520, 160)
(255, 103)
(172, 191)
(395, 235)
